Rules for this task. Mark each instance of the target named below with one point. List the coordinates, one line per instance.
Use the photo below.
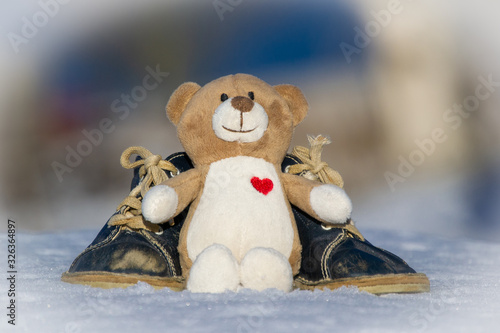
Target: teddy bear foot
(264, 268)
(215, 270)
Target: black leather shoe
(336, 257)
(333, 257)
(122, 255)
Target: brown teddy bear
(240, 230)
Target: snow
(464, 297)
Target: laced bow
(152, 172)
(312, 166)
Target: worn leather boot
(129, 249)
(336, 256)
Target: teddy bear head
(236, 115)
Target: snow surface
(464, 295)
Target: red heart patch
(264, 186)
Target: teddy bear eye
(251, 95)
(223, 97)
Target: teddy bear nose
(243, 104)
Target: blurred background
(379, 75)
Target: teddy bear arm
(187, 186)
(298, 191)
(325, 202)
(168, 199)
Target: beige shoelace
(151, 172)
(314, 168)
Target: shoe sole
(376, 284)
(107, 280)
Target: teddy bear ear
(296, 101)
(179, 100)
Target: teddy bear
(240, 231)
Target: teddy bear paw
(331, 203)
(264, 268)
(159, 204)
(214, 270)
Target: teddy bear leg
(214, 270)
(263, 268)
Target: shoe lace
(313, 168)
(152, 172)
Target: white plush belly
(240, 213)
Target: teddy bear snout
(243, 104)
(239, 119)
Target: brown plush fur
(191, 108)
(298, 190)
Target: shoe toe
(354, 258)
(128, 252)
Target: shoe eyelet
(159, 232)
(172, 175)
(326, 227)
(287, 169)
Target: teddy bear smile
(240, 131)
(241, 124)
